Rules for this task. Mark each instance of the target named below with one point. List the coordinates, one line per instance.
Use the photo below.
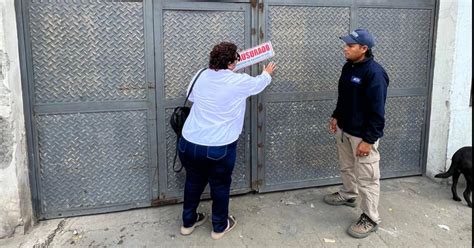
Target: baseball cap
(359, 36)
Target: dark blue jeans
(207, 164)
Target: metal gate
(101, 79)
(89, 78)
(295, 148)
(185, 32)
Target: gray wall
(15, 204)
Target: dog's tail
(448, 173)
(455, 160)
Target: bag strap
(192, 86)
(177, 170)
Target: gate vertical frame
(151, 101)
(26, 70)
(160, 95)
(429, 87)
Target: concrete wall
(460, 127)
(451, 115)
(15, 201)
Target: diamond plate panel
(176, 180)
(188, 39)
(87, 51)
(400, 148)
(298, 146)
(93, 160)
(308, 51)
(402, 43)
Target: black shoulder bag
(178, 117)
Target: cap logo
(355, 34)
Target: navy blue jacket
(362, 92)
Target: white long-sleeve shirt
(218, 111)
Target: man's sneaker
(362, 227)
(231, 222)
(201, 218)
(337, 199)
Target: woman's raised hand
(269, 68)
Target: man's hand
(333, 125)
(363, 149)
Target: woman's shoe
(231, 222)
(202, 217)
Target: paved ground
(416, 212)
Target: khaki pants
(360, 175)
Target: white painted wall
(15, 201)
(451, 116)
(460, 127)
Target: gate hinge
(256, 184)
(260, 107)
(253, 3)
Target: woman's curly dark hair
(222, 55)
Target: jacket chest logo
(355, 80)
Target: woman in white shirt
(207, 148)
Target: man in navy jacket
(358, 123)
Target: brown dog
(461, 163)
